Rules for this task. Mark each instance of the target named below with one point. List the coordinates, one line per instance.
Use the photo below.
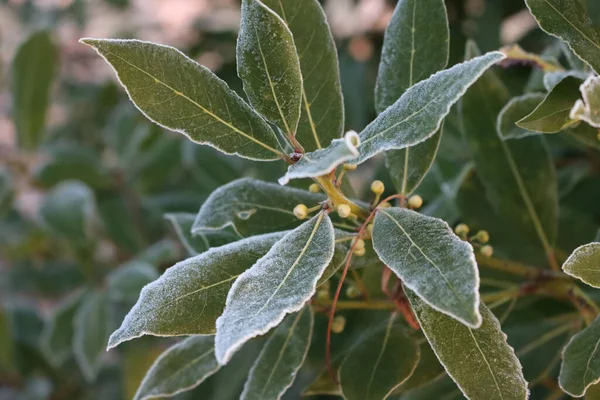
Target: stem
(516, 268)
(337, 197)
(356, 305)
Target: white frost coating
(280, 359)
(588, 109)
(480, 361)
(197, 286)
(251, 206)
(323, 161)
(220, 86)
(584, 264)
(279, 283)
(180, 368)
(418, 114)
(430, 260)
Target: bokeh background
(82, 207)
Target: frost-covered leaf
(277, 284)
(179, 94)
(551, 79)
(33, 69)
(282, 356)
(197, 286)
(431, 260)
(252, 207)
(581, 361)
(180, 368)
(322, 114)
(379, 363)
(567, 20)
(479, 360)
(125, 282)
(415, 46)
(202, 240)
(516, 109)
(69, 209)
(552, 114)
(268, 65)
(588, 109)
(584, 264)
(418, 114)
(322, 161)
(56, 341)
(518, 175)
(92, 327)
(428, 369)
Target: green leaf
(322, 114)
(430, 260)
(588, 109)
(252, 207)
(518, 175)
(277, 284)
(584, 264)
(56, 341)
(268, 65)
(551, 79)
(409, 166)
(379, 363)
(91, 326)
(181, 95)
(68, 210)
(552, 115)
(198, 284)
(180, 368)
(439, 389)
(6, 342)
(516, 109)
(280, 359)
(33, 70)
(418, 114)
(428, 369)
(201, 241)
(415, 46)
(480, 361)
(581, 362)
(125, 282)
(567, 20)
(322, 161)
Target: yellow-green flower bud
(352, 292)
(344, 210)
(314, 188)
(462, 230)
(482, 236)
(301, 211)
(377, 187)
(339, 323)
(415, 201)
(487, 250)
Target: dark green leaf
(584, 264)
(280, 359)
(567, 20)
(125, 282)
(516, 109)
(33, 68)
(379, 363)
(252, 207)
(180, 368)
(428, 369)
(322, 114)
(552, 115)
(581, 362)
(92, 328)
(431, 260)
(199, 283)
(480, 361)
(518, 175)
(183, 96)
(203, 240)
(268, 65)
(277, 284)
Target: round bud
(415, 201)
(385, 205)
(350, 167)
(352, 292)
(483, 236)
(314, 188)
(462, 230)
(344, 210)
(487, 250)
(370, 229)
(359, 252)
(377, 187)
(360, 244)
(322, 294)
(300, 211)
(338, 325)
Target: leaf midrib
(202, 108)
(486, 363)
